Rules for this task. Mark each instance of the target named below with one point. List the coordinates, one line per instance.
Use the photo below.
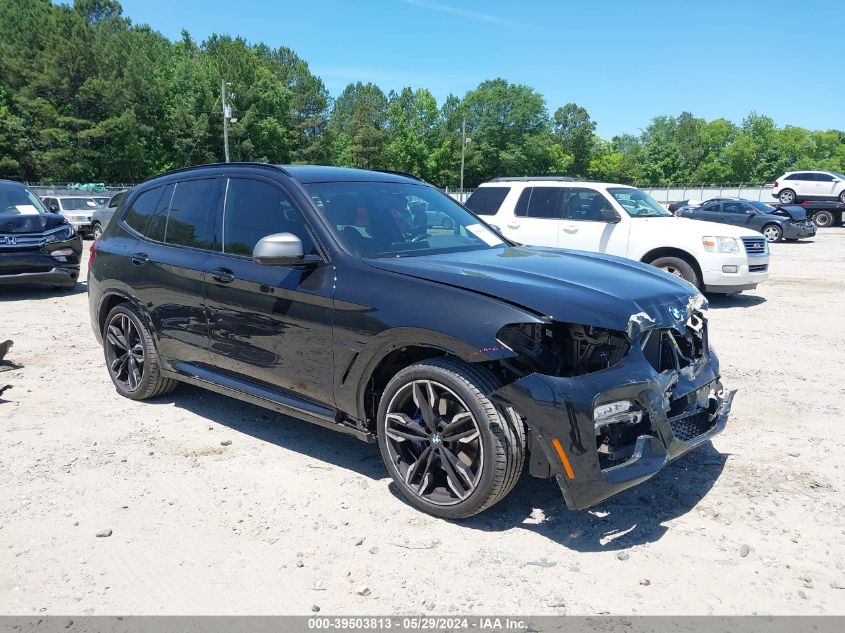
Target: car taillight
(92, 252)
(776, 184)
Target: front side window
(824, 177)
(540, 202)
(733, 207)
(382, 219)
(189, 221)
(588, 205)
(638, 204)
(255, 209)
(487, 200)
(18, 200)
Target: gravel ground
(216, 507)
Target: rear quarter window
(487, 200)
(138, 215)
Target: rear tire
(97, 231)
(823, 218)
(449, 478)
(772, 233)
(131, 357)
(678, 267)
(787, 196)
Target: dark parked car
(461, 354)
(35, 246)
(788, 222)
(102, 216)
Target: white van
(624, 221)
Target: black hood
(793, 211)
(30, 222)
(569, 286)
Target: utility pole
(463, 150)
(227, 114)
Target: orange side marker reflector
(563, 459)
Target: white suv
(797, 186)
(624, 221)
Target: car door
(736, 212)
(536, 217)
(826, 185)
(269, 324)
(587, 224)
(804, 184)
(709, 212)
(168, 264)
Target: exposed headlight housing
(64, 232)
(621, 411)
(719, 244)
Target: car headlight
(59, 235)
(717, 244)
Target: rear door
(736, 212)
(709, 212)
(585, 226)
(536, 217)
(168, 265)
(269, 324)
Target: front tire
(842, 197)
(787, 196)
(772, 233)
(678, 267)
(451, 451)
(823, 218)
(131, 357)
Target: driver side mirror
(751, 212)
(279, 249)
(610, 216)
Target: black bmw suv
(36, 247)
(330, 295)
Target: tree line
(85, 95)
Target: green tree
(574, 130)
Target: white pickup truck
(624, 221)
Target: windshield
(378, 219)
(761, 206)
(838, 175)
(79, 204)
(18, 200)
(638, 204)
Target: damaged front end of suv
(606, 409)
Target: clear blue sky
(626, 61)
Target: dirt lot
(218, 507)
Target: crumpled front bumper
(559, 414)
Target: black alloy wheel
(125, 352)
(450, 449)
(131, 356)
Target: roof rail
(233, 164)
(529, 178)
(398, 173)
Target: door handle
(513, 225)
(223, 275)
(570, 228)
(139, 259)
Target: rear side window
(142, 209)
(158, 221)
(487, 200)
(540, 202)
(189, 221)
(256, 209)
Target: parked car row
(625, 222)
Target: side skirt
(262, 396)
